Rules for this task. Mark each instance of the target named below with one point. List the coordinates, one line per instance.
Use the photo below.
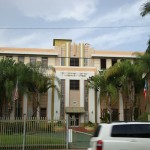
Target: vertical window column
(44, 62)
(33, 60)
(103, 63)
(113, 61)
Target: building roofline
(54, 40)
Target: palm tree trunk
(110, 110)
(96, 106)
(52, 105)
(131, 93)
(148, 96)
(34, 105)
(133, 100)
(38, 106)
(121, 112)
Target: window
(44, 62)
(85, 62)
(127, 116)
(131, 130)
(33, 60)
(113, 61)
(97, 131)
(42, 112)
(18, 111)
(62, 61)
(103, 64)
(9, 57)
(115, 115)
(21, 59)
(74, 61)
(74, 84)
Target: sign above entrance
(75, 74)
(75, 110)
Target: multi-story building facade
(74, 64)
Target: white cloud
(128, 14)
(24, 39)
(111, 40)
(52, 10)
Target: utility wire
(71, 28)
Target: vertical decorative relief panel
(62, 103)
(63, 56)
(86, 117)
(68, 54)
(81, 54)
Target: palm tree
(106, 89)
(126, 77)
(30, 80)
(145, 57)
(144, 67)
(7, 84)
(40, 83)
(145, 9)
(93, 83)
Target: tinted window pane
(97, 131)
(131, 130)
(103, 64)
(74, 84)
(114, 61)
(43, 112)
(21, 59)
(33, 60)
(44, 62)
(74, 61)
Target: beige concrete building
(74, 64)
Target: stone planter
(89, 128)
(61, 128)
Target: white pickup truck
(121, 136)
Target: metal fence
(32, 133)
(80, 140)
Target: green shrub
(143, 117)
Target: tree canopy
(29, 79)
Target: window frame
(113, 61)
(32, 60)
(21, 59)
(74, 85)
(74, 61)
(44, 62)
(103, 63)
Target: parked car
(121, 136)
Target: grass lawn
(34, 138)
(80, 140)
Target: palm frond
(145, 9)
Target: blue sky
(74, 13)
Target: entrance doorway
(74, 119)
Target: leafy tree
(106, 89)
(144, 67)
(32, 80)
(7, 83)
(40, 83)
(125, 76)
(144, 63)
(145, 9)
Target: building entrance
(74, 119)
